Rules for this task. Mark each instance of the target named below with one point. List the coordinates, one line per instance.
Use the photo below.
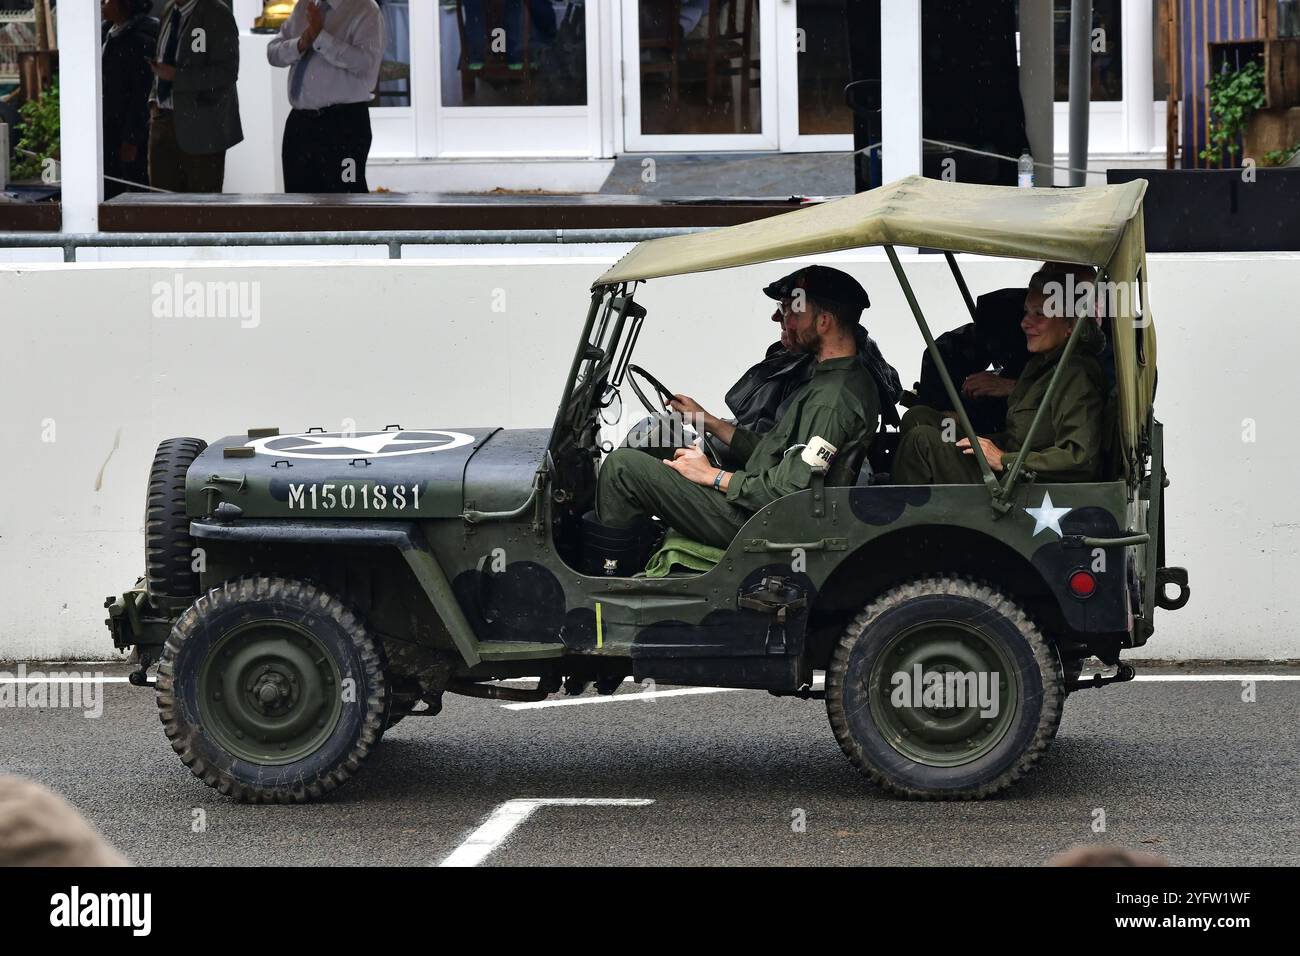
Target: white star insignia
(372, 444)
(376, 443)
(1047, 516)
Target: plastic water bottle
(1025, 170)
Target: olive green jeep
(305, 592)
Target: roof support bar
(1009, 482)
(961, 283)
(990, 480)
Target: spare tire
(170, 579)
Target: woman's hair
(1060, 273)
(1071, 289)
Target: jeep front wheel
(944, 689)
(270, 690)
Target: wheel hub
(943, 693)
(270, 692)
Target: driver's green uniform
(839, 404)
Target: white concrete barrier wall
(91, 378)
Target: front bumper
(134, 622)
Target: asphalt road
(1183, 768)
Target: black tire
(953, 753)
(170, 580)
(261, 631)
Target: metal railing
(394, 240)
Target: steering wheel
(664, 395)
(661, 392)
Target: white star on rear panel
(1047, 516)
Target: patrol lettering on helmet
(819, 453)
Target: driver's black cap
(823, 284)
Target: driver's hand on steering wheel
(688, 406)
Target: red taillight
(1083, 584)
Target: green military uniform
(839, 404)
(1068, 446)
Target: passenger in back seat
(1068, 443)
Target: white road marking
(617, 698)
(4, 679)
(1213, 677)
(62, 680)
(496, 829)
(820, 682)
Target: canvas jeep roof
(1092, 225)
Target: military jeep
(305, 592)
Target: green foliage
(1278, 157)
(1234, 96)
(40, 135)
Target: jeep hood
(398, 473)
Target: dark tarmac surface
(1184, 769)
(771, 175)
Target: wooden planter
(1281, 62)
(1270, 130)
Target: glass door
(699, 75)
(812, 70)
(515, 77)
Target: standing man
(130, 38)
(333, 49)
(194, 107)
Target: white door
(491, 78)
(812, 63)
(518, 78)
(703, 80)
(735, 74)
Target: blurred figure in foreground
(40, 828)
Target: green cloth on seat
(680, 551)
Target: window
(823, 68)
(513, 52)
(700, 70)
(1106, 39)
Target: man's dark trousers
(173, 169)
(632, 485)
(318, 145)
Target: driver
(823, 424)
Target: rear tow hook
(1124, 672)
(140, 678)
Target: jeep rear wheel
(171, 581)
(944, 689)
(270, 690)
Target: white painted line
(618, 698)
(496, 829)
(63, 680)
(533, 680)
(819, 682)
(1213, 677)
